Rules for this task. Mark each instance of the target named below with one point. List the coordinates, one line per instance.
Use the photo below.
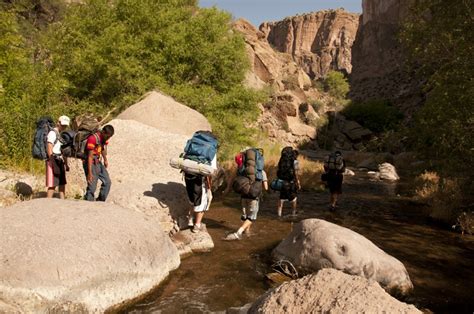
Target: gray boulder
(315, 244)
(76, 256)
(330, 291)
(388, 172)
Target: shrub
(336, 84)
(376, 115)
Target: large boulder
(73, 256)
(142, 179)
(315, 244)
(165, 114)
(388, 172)
(330, 291)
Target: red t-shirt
(94, 146)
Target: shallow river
(440, 262)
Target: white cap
(64, 120)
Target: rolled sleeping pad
(191, 166)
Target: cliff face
(378, 68)
(318, 41)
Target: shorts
(335, 182)
(197, 192)
(250, 208)
(288, 191)
(55, 173)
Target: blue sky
(258, 11)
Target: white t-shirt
(52, 138)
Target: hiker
(96, 163)
(202, 148)
(250, 204)
(334, 167)
(288, 168)
(56, 164)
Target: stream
(440, 262)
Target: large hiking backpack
(43, 126)
(286, 165)
(84, 126)
(334, 162)
(248, 182)
(252, 164)
(202, 147)
(67, 143)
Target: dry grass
(445, 197)
(310, 171)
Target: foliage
(103, 54)
(438, 37)
(336, 84)
(376, 115)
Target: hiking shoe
(233, 236)
(196, 228)
(190, 222)
(243, 217)
(332, 208)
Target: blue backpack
(202, 147)
(253, 164)
(43, 126)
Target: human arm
(90, 159)
(104, 156)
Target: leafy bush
(104, 55)
(336, 84)
(376, 115)
(438, 40)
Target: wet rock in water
(188, 242)
(330, 291)
(76, 256)
(349, 172)
(369, 164)
(388, 172)
(315, 244)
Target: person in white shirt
(56, 165)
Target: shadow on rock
(171, 195)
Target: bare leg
(245, 226)
(293, 207)
(62, 191)
(333, 199)
(50, 192)
(279, 208)
(198, 217)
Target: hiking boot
(190, 222)
(196, 228)
(243, 217)
(233, 236)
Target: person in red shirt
(96, 164)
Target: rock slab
(330, 291)
(315, 244)
(73, 256)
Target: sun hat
(64, 120)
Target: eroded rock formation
(318, 42)
(378, 67)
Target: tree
(438, 36)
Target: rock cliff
(318, 42)
(378, 68)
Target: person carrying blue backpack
(202, 148)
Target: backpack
(202, 147)
(84, 125)
(43, 126)
(67, 143)
(286, 165)
(252, 164)
(334, 162)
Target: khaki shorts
(250, 208)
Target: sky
(258, 11)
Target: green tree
(438, 36)
(336, 84)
